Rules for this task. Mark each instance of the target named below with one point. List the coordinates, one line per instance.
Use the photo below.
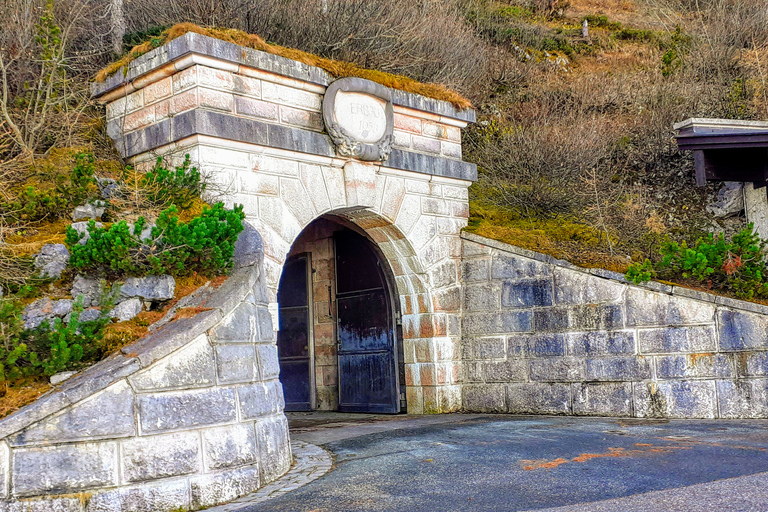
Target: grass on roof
(337, 69)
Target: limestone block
(481, 297)
(422, 233)
(550, 319)
(234, 445)
(301, 118)
(538, 398)
(646, 307)
(578, 287)
(260, 399)
(425, 144)
(275, 213)
(57, 504)
(596, 317)
(268, 362)
(401, 139)
(334, 184)
(601, 343)
(677, 339)
(151, 288)
(676, 399)
(484, 398)
(256, 108)
(108, 413)
(447, 300)
(290, 96)
(133, 121)
(626, 368)
(743, 398)
(214, 489)
(274, 447)
(52, 260)
(536, 345)
(507, 266)
(127, 310)
(360, 184)
(556, 369)
(506, 371)
(153, 497)
(312, 178)
(602, 398)
(410, 211)
(158, 90)
(297, 200)
(266, 329)
(216, 100)
(270, 164)
(151, 457)
(394, 192)
(484, 348)
(240, 326)
(186, 409)
(217, 78)
(88, 288)
(451, 149)
(236, 363)
(63, 469)
(434, 206)
(756, 363)
(247, 85)
(740, 330)
(528, 293)
(683, 366)
(492, 323)
(190, 366)
(185, 79)
(475, 270)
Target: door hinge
(398, 318)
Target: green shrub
(737, 266)
(49, 348)
(601, 21)
(204, 245)
(633, 34)
(179, 187)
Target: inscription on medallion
(362, 115)
(358, 115)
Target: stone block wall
(188, 417)
(252, 123)
(542, 336)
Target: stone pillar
(756, 208)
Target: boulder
(52, 260)
(729, 200)
(127, 310)
(89, 288)
(37, 312)
(108, 187)
(149, 288)
(89, 315)
(82, 228)
(62, 307)
(88, 211)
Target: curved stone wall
(542, 336)
(188, 417)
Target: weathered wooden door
(293, 338)
(365, 337)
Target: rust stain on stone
(693, 359)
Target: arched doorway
(339, 342)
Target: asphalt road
(508, 463)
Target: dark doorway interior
(338, 339)
(366, 341)
(293, 338)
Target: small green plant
(737, 266)
(179, 187)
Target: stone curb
(655, 286)
(312, 462)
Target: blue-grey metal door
(293, 338)
(365, 337)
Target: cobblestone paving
(312, 462)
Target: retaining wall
(542, 336)
(188, 417)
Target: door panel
(293, 338)
(366, 349)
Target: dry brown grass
(338, 69)
(18, 394)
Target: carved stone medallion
(359, 118)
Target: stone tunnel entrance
(339, 341)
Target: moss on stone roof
(337, 69)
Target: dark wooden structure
(726, 150)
